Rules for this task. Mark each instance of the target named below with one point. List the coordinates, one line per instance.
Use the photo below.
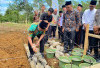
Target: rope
(71, 40)
(12, 58)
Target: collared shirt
(60, 20)
(32, 29)
(89, 18)
(71, 20)
(97, 18)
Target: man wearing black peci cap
(89, 18)
(71, 21)
(47, 17)
(39, 31)
(60, 23)
(78, 34)
(64, 8)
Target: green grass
(17, 26)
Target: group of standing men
(71, 26)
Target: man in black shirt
(47, 17)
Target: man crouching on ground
(39, 31)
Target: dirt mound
(11, 46)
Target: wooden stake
(86, 40)
(95, 36)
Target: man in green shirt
(39, 31)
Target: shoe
(65, 51)
(54, 37)
(98, 60)
(42, 55)
(30, 57)
(50, 38)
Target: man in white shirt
(54, 23)
(60, 23)
(89, 18)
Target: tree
(1, 18)
(49, 2)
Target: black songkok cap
(63, 6)
(80, 5)
(60, 12)
(93, 2)
(68, 3)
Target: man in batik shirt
(71, 23)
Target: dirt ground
(12, 52)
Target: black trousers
(96, 47)
(68, 40)
(53, 30)
(83, 37)
(93, 43)
(60, 34)
(41, 46)
(78, 36)
(47, 34)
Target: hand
(46, 29)
(77, 30)
(84, 27)
(69, 29)
(34, 48)
(63, 30)
(95, 27)
(96, 30)
(37, 44)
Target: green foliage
(22, 12)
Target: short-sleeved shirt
(45, 16)
(33, 30)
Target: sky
(5, 3)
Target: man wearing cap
(47, 17)
(96, 29)
(64, 11)
(89, 18)
(71, 21)
(64, 8)
(39, 31)
(78, 34)
(60, 23)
